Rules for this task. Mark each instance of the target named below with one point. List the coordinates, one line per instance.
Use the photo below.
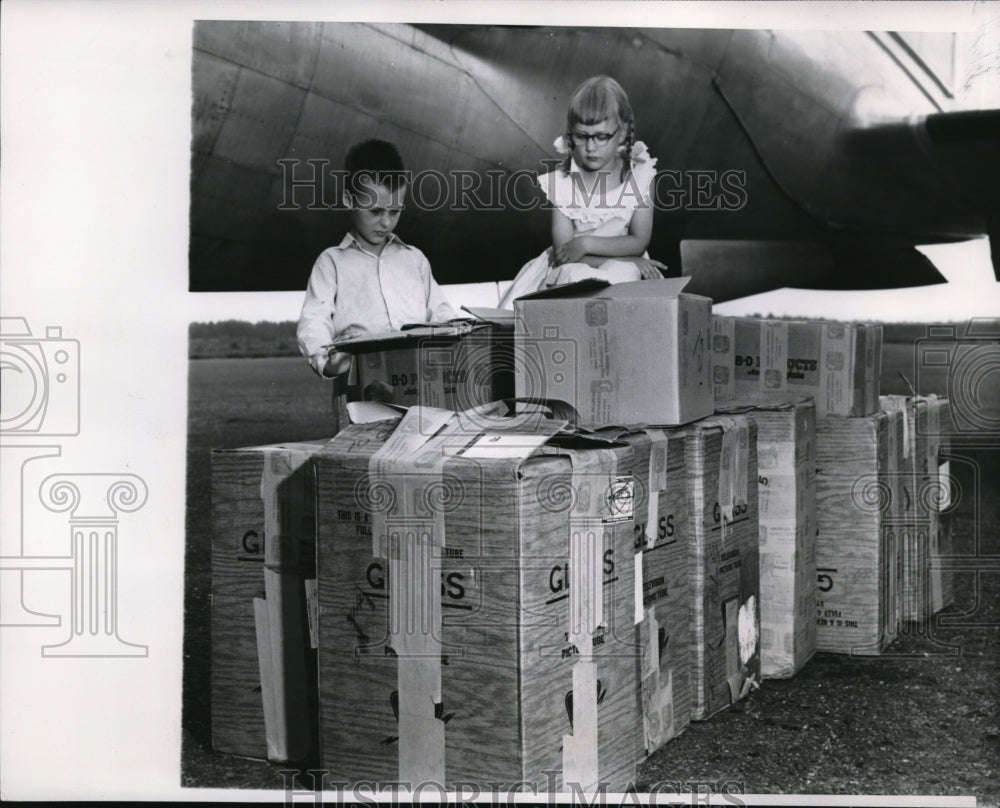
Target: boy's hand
(337, 363)
(570, 252)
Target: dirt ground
(922, 719)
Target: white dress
(606, 214)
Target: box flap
(305, 446)
(749, 403)
(655, 287)
(490, 433)
(501, 317)
(409, 335)
(575, 439)
(366, 412)
(663, 288)
(584, 288)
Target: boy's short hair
(376, 160)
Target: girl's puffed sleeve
(553, 185)
(643, 170)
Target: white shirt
(353, 291)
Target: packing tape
(650, 646)
(909, 422)
(773, 356)
(734, 676)
(836, 343)
(586, 582)
(873, 364)
(407, 533)
(592, 477)
(657, 480)
(892, 464)
(312, 611)
(657, 687)
(593, 473)
(639, 615)
(733, 459)
(904, 406)
(724, 356)
(421, 732)
(933, 428)
(421, 749)
(658, 709)
(579, 759)
(388, 468)
(281, 654)
(415, 636)
(275, 749)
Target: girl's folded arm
(594, 250)
(640, 230)
(627, 248)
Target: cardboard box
(263, 562)
(786, 488)
(895, 485)
(927, 582)
(632, 353)
(855, 565)
(476, 604)
(911, 511)
(661, 526)
(838, 364)
(939, 499)
(453, 367)
(723, 564)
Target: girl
(602, 215)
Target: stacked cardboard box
(263, 564)
(838, 364)
(855, 601)
(476, 604)
(723, 563)
(895, 483)
(661, 525)
(786, 486)
(911, 513)
(632, 353)
(938, 502)
(926, 539)
(454, 367)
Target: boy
(372, 281)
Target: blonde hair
(597, 99)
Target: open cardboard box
(629, 353)
(452, 366)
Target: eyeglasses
(599, 138)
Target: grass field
(232, 403)
(923, 719)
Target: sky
(971, 291)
